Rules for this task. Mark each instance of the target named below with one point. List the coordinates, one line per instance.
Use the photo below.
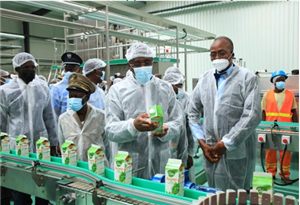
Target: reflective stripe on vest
(279, 114)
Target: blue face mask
(280, 85)
(75, 103)
(143, 74)
(179, 94)
(103, 75)
(67, 75)
(6, 81)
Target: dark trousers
(6, 196)
(24, 199)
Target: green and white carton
(22, 146)
(43, 149)
(156, 115)
(96, 159)
(263, 182)
(5, 143)
(123, 167)
(174, 177)
(69, 153)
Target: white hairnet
(173, 70)
(174, 78)
(139, 50)
(42, 78)
(116, 80)
(93, 64)
(3, 73)
(22, 58)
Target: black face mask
(27, 75)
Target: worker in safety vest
(279, 104)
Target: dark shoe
(287, 180)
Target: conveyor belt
(82, 180)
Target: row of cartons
(174, 170)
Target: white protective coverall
(27, 109)
(83, 135)
(97, 99)
(231, 114)
(124, 102)
(59, 95)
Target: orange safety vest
(272, 112)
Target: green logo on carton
(67, 160)
(64, 149)
(91, 155)
(171, 173)
(260, 189)
(175, 188)
(119, 163)
(122, 177)
(94, 167)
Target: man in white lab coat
(81, 123)
(26, 109)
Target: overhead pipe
(183, 7)
(6, 13)
(11, 36)
(100, 48)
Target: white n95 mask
(220, 64)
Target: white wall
(265, 34)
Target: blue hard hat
(278, 73)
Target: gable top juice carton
(174, 177)
(69, 153)
(22, 146)
(5, 143)
(123, 167)
(43, 149)
(96, 159)
(156, 115)
(263, 182)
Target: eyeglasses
(139, 64)
(219, 53)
